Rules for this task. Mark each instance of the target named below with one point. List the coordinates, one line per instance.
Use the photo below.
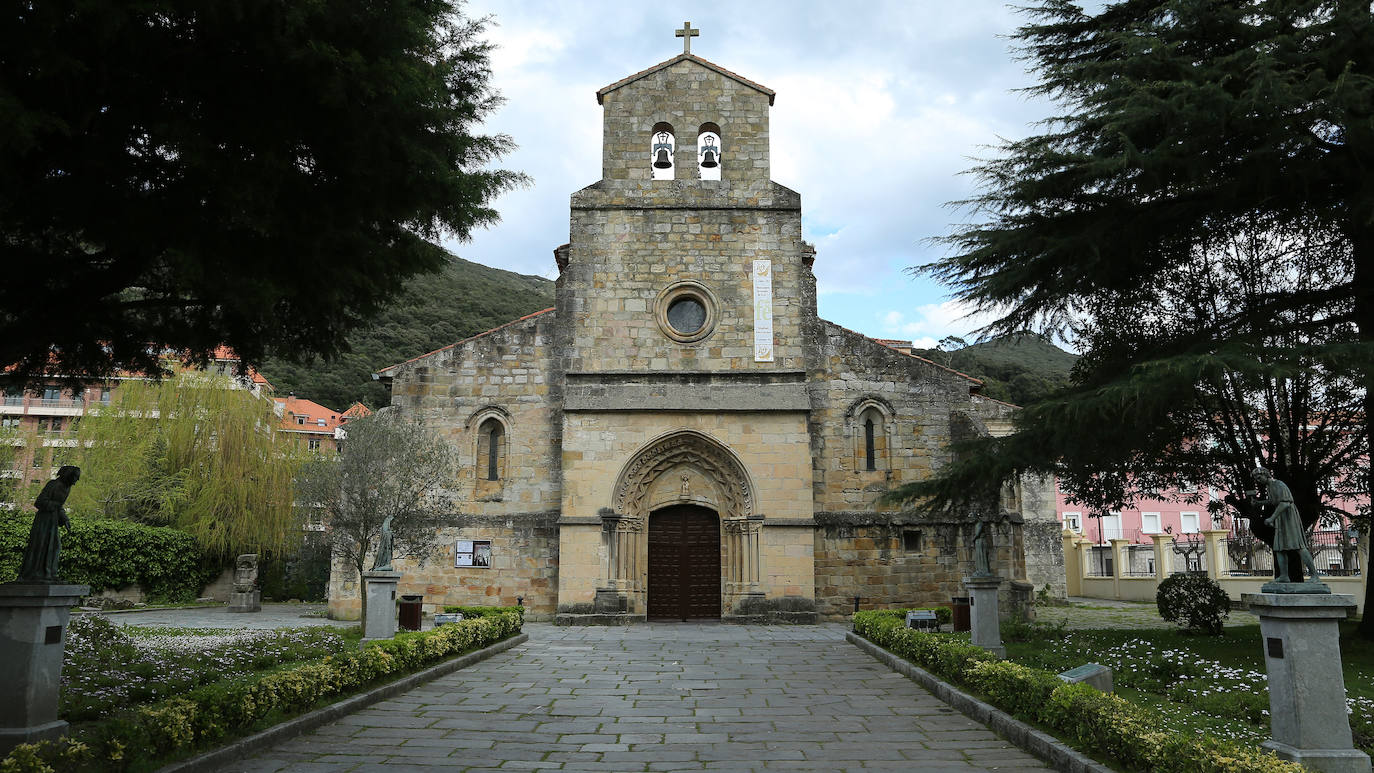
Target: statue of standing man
(45, 542)
(1288, 530)
(382, 561)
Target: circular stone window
(686, 311)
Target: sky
(881, 106)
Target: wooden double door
(684, 564)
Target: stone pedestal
(380, 588)
(984, 619)
(245, 601)
(1308, 720)
(33, 634)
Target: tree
(390, 466)
(192, 452)
(251, 173)
(1196, 137)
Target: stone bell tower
(686, 291)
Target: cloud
(934, 321)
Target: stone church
(681, 437)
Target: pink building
(1183, 515)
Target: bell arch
(692, 468)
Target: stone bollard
(983, 614)
(1302, 653)
(33, 628)
(380, 588)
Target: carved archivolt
(686, 447)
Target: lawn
(1212, 684)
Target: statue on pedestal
(1287, 523)
(45, 542)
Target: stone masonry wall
(524, 564)
(917, 398)
(506, 374)
(863, 555)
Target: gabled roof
(312, 412)
(356, 411)
(381, 373)
(601, 95)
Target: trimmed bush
(1096, 722)
(1195, 602)
(109, 554)
(208, 714)
(471, 612)
(943, 615)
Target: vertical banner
(763, 311)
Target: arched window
(870, 446)
(662, 151)
(708, 152)
(870, 426)
(491, 448)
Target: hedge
(109, 554)
(208, 714)
(1097, 722)
(943, 615)
(471, 612)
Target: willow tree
(193, 452)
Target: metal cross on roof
(687, 33)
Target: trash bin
(959, 605)
(410, 612)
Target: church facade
(681, 436)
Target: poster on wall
(474, 553)
(763, 310)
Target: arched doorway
(684, 563)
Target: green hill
(1017, 369)
(463, 299)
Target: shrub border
(1039, 743)
(216, 758)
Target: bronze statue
(982, 549)
(1287, 523)
(45, 543)
(382, 562)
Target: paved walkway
(658, 697)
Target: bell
(708, 161)
(662, 161)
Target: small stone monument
(246, 596)
(33, 622)
(983, 586)
(1302, 651)
(379, 585)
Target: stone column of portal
(610, 598)
(33, 628)
(1302, 653)
(984, 616)
(753, 547)
(380, 588)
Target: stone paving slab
(658, 697)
